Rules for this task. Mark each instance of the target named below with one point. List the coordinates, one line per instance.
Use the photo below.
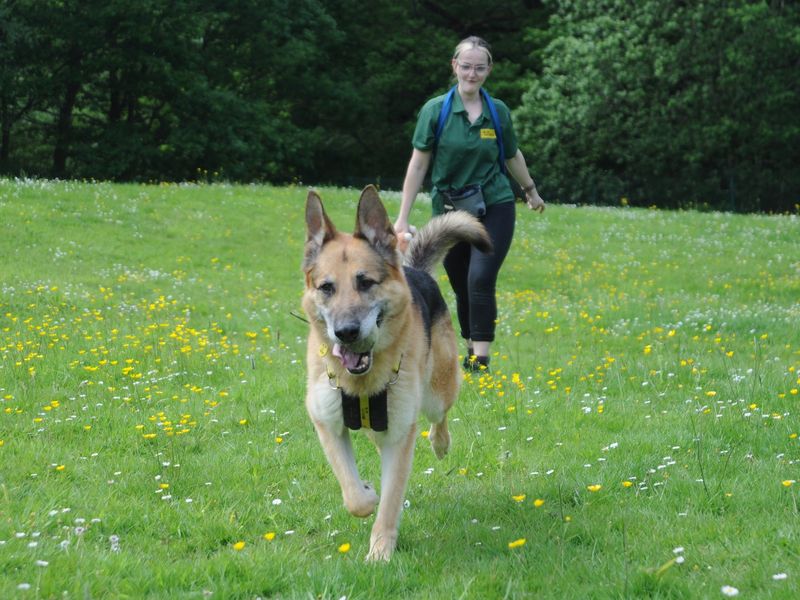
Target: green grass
(152, 383)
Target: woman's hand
(404, 232)
(534, 200)
(400, 227)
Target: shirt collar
(458, 105)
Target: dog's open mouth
(356, 363)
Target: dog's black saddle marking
(366, 411)
(426, 296)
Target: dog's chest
(326, 406)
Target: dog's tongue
(349, 359)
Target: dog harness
(368, 411)
(365, 411)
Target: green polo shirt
(467, 152)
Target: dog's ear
(319, 228)
(373, 225)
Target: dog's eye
(327, 288)
(365, 284)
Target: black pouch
(469, 199)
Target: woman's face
(471, 68)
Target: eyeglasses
(478, 69)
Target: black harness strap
(366, 411)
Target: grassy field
(637, 437)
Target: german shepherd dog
(381, 348)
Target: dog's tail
(429, 247)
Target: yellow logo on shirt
(488, 134)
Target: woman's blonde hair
(472, 42)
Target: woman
(466, 153)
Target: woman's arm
(519, 171)
(415, 175)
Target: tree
(673, 104)
(278, 90)
(23, 81)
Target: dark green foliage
(665, 103)
(312, 90)
(670, 103)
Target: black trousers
(473, 274)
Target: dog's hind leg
(396, 459)
(359, 497)
(440, 438)
(438, 435)
(445, 381)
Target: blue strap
(445, 112)
(498, 129)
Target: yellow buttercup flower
(516, 543)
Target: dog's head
(354, 283)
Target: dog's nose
(348, 333)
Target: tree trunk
(115, 97)
(64, 130)
(5, 146)
(5, 141)
(133, 105)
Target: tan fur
(390, 325)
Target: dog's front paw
(362, 502)
(381, 546)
